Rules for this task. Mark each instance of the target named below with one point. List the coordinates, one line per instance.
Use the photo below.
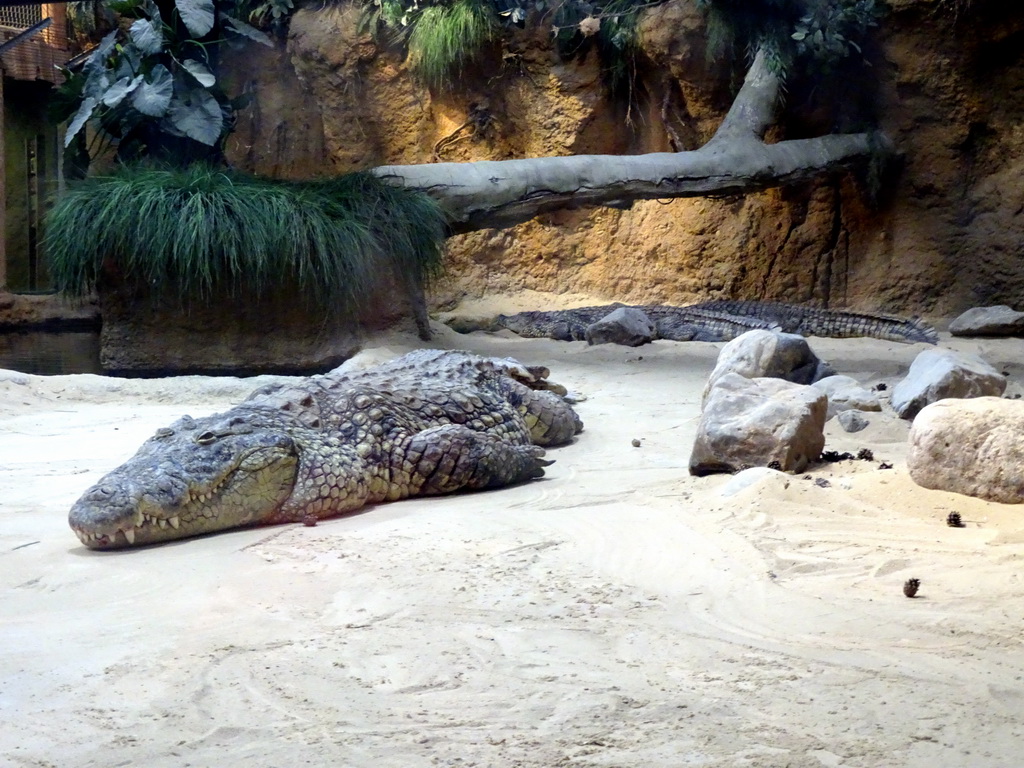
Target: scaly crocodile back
(672, 323)
(725, 320)
(699, 324)
(811, 321)
(430, 422)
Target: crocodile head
(194, 477)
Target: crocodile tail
(811, 321)
(908, 330)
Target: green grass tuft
(447, 37)
(202, 231)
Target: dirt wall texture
(943, 232)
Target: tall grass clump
(446, 38)
(201, 232)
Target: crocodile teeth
(162, 522)
(175, 522)
(130, 535)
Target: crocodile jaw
(153, 498)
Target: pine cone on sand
(953, 520)
(910, 587)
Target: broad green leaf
(97, 59)
(146, 36)
(197, 114)
(115, 94)
(152, 10)
(97, 83)
(198, 15)
(153, 96)
(245, 30)
(81, 117)
(199, 72)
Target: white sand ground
(616, 613)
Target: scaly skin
(429, 422)
(723, 321)
(671, 323)
(812, 321)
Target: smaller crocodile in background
(717, 321)
(429, 422)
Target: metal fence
(20, 16)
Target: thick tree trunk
(502, 193)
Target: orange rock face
(943, 234)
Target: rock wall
(239, 334)
(944, 232)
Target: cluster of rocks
(768, 399)
(966, 437)
(766, 404)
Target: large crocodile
(429, 422)
(719, 321)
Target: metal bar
(21, 37)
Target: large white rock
(758, 353)
(754, 422)
(998, 320)
(937, 374)
(974, 447)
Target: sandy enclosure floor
(616, 613)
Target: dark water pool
(49, 352)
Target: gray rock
(940, 373)
(852, 421)
(971, 447)
(845, 393)
(769, 354)
(625, 325)
(754, 422)
(998, 320)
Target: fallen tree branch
(494, 194)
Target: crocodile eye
(206, 438)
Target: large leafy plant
(150, 87)
(205, 231)
(816, 34)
